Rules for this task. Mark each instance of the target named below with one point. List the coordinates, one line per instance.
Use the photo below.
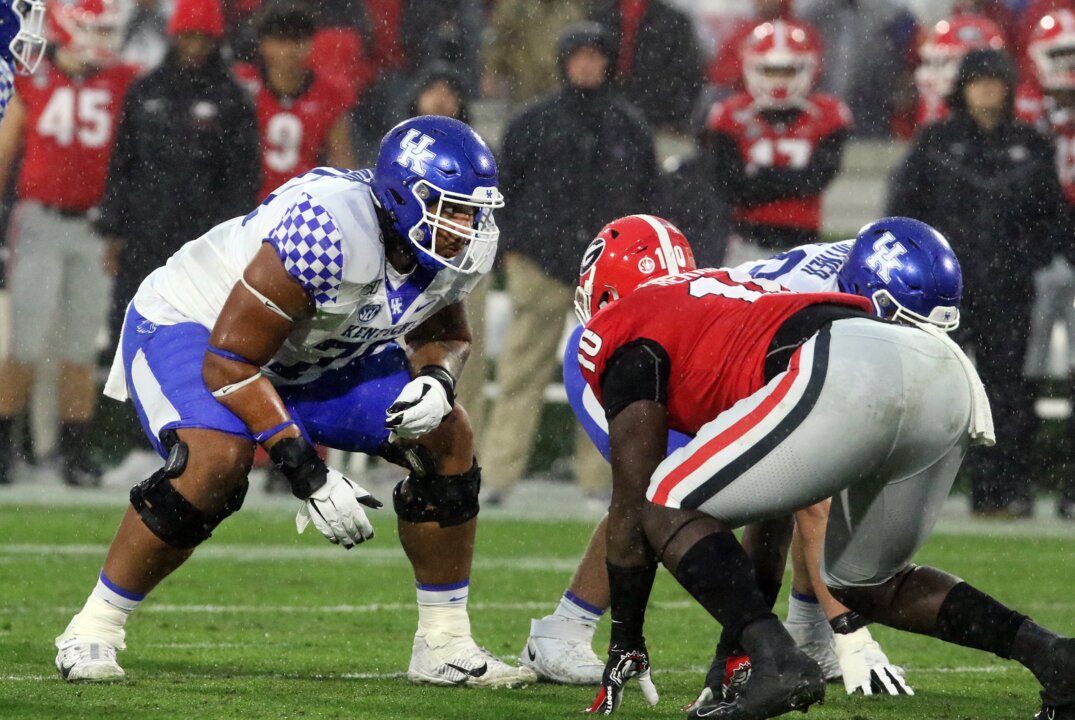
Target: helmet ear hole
(397, 197)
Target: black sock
(770, 590)
(1036, 648)
(971, 618)
(75, 446)
(7, 449)
(719, 575)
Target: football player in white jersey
(22, 44)
(908, 271)
(282, 329)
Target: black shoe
(82, 474)
(1058, 683)
(1055, 712)
(782, 678)
(727, 675)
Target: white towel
(981, 417)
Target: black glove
(624, 662)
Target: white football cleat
(560, 650)
(87, 659)
(816, 640)
(441, 659)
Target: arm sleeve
(310, 245)
(240, 178)
(910, 192)
(117, 193)
(637, 371)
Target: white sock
(804, 609)
(572, 607)
(442, 609)
(104, 614)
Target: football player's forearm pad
(444, 499)
(169, 515)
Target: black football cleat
(768, 692)
(1056, 712)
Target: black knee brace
(445, 499)
(168, 514)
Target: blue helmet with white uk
(907, 270)
(437, 181)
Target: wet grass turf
(266, 624)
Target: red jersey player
(775, 147)
(64, 117)
(940, 54)
(302, 115)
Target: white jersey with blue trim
(7, 85)
(807, 268)
(324, 228)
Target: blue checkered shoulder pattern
(310, 246)
(7, 85)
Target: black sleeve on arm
(637, 371)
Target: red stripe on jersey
(745, 424)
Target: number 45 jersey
(70, 127)
(715, 325)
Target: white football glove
(866, 668)
(420, 408)
(336, 511)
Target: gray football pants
(871, 414)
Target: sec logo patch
(368, 312)
(646, 265)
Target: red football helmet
(626, 253)
(91, 30)
(1052, 48)
(781, 60)
(946, 44)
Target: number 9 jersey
(714, 325)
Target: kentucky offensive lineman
(21, 43)
(280, 328)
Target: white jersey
(324, 229)
(807, 268)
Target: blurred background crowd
(153, 120)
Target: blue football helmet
(22, 41)
(907, 270)
(426, 163)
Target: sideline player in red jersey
(1047, 100)
(64, 119)
(940, 54)
(775, 147)
(301, 114)
(790, 397)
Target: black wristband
(630, 588)
(442, 376)
(299, 463)
(847, 623)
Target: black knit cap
(585, 34)
(983, 63)
(286, 19)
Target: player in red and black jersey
(302, 115)
(775, 147)
(790, 398)
(64, 119)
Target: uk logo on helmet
(416, 152)
(886, 257)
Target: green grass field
(265, 624)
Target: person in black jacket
(186, 156)
(657, 61)
(569, 163)
(988, 183)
